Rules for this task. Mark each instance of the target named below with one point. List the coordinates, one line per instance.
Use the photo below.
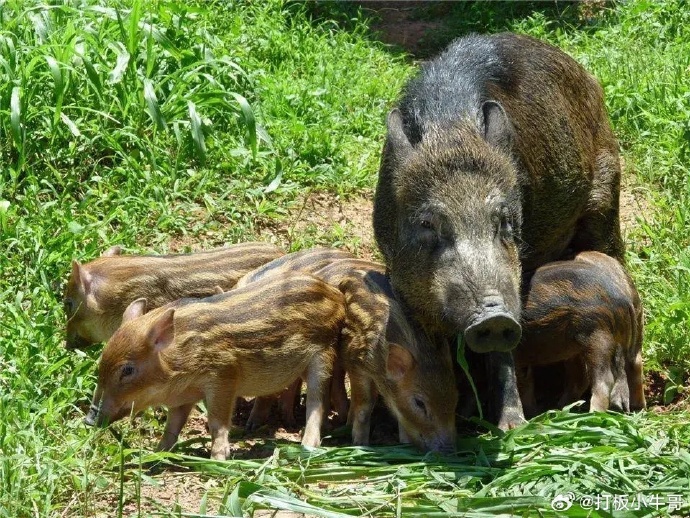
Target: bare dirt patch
(634, 202)
(322, 218)
(398, 26)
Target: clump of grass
(89, 86)
(520, 473)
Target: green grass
(152, 124)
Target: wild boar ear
(162, 330)
(134, 310)
(112, 251)
(399, 362)
(82, 274)
(218, 290)
(397, 138)
(498, 131)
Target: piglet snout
(92, 417)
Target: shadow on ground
(422, 29)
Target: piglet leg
(288, 400)
(599, 363)
(633, 371)
(177, 417)
(259, 414)
(339, 401)
(525, 382)
(576, 380)
(361, 406)
(220, 402)
(318, 384)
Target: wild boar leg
(505, 399)
(525, 381)
(177, 417)
(317, 376)
(221, 404)
(361, 405)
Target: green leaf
(123, 56)
(75, 228)
(70, 124)
(56, 72)
(152, 107)
(249, 120)
(462, 361)
(197, 132)
(15, 116)
(274, 183)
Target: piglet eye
(127, 370)
(420, 404)
(68, 305)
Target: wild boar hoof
(511, 420)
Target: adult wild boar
(499, 158)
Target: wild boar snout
(493, 331)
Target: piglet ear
(498, 131)
(112, 251)
(134, 310)
(82, 276)
(162, 331)
(218, 290)
(399, 363)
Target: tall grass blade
(70, 124)
(120, 68)
(15, 117)
(56, 72)
(197, 132)
(462, 361)
(152, 107)
(249, 121)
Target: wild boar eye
(425, 223)
(502, 220)
(68, 305)
(506, 226)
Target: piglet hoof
(252, 425)
(220, 451)
(311, 440)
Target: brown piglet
(587, 313)
(385, 352)
(304, 261)
(98, 292)
(249, 341)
